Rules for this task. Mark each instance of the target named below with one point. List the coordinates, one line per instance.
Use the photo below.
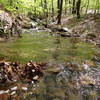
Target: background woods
(50, 8)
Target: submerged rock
(72, 76)
(4, 92)
(14, 88)
(14, 92)
(53, 68)
(86, 80)
(24, 88)
(12, 72)
(2, 39)
(64, 34)
(66, 30)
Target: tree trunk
(46, 12)
(98, 5)
(87, 6)
(52, 10)
(65, 6)
(73, 8)
(35, 8)
(60, 5)
(78, 4)
(10, 2)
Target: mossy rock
(1, 32)
(27, 25)
(91, 35)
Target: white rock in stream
(85, 66)
(14, 92)
(14, 88)
(34, 24)
(33, 70)
(66, 29)
(32, 82)
(24, 88)
(3, 92)
(36, 77)
(7, 63)
(7, 91)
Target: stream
(43, 47)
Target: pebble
(33, 70)
(24, 88)
(32, 82)
(3, 92)
(36, 77)
(34, 85)
(14, 92)
(15, 80)
(14, 88)
(7, 63)
(85, 66)
(7, 91)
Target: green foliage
(37, 7)
(93, 4)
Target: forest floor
(87, 28)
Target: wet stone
(12, 72)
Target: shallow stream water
(40, 46)
(43, 47)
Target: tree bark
(46, 12)
(78, 4)
(73, 8)
(87, 6)
(52, 10)
(60, 5)
(65, 6)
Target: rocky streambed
(49, 80)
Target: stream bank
(87, 28)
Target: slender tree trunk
(95, 10)
(65, 6)
(42, 5)
(78, 4)
(10, 2)
(46, 12)
(45, 7)
(73, 8)
(52, 10)
(87, 6)
(35, 8)
(60, 5)
(98, 6)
